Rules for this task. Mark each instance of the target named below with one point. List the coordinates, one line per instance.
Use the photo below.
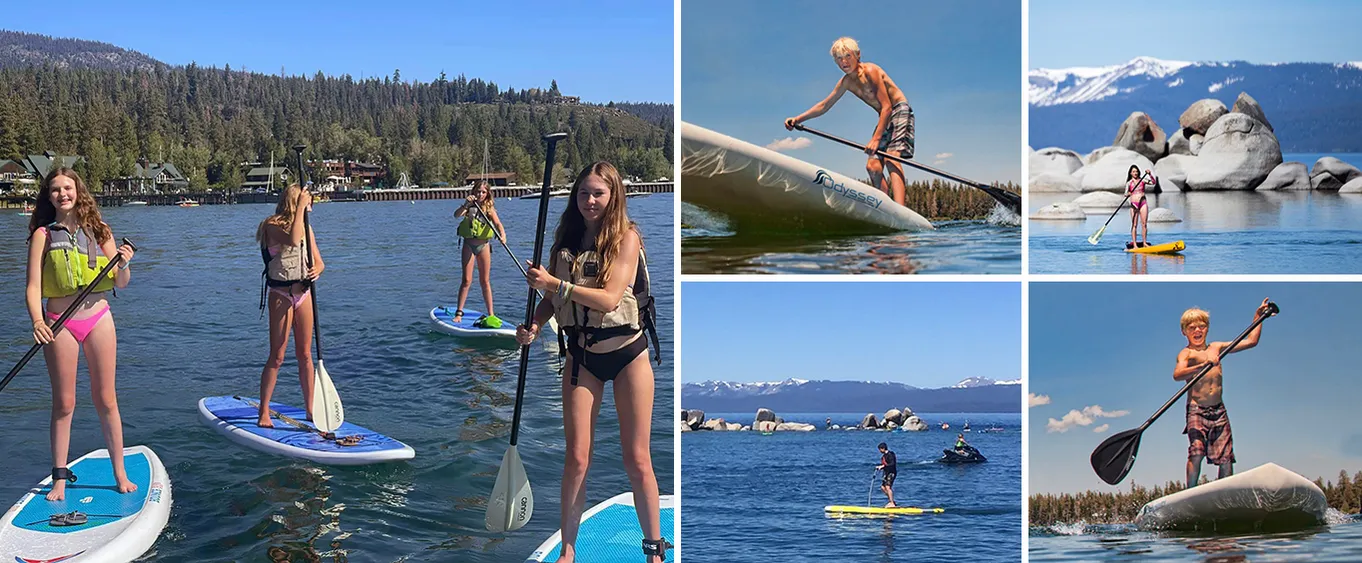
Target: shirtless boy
(1208, 424)
(894, 130)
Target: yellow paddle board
(1166, 248)
(879, 510)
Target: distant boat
(638, 194)
(136, 202)
(27, 211)
(555, 193)
(187, 203)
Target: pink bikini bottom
(80, 328)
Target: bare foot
(568, 555)
(891, 505)
(58, 491)
(125, 486)
(265, 422)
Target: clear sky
(1292, 400)
(611, 50)
(925, 334)
(1069, 33)
(746, 66)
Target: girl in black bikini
(594, 263)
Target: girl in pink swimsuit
(67, 238)
(285, 245)
(1139, 206)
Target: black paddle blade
(1113, 459)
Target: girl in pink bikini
(285, 245)
(1139, 206)
(68, 246)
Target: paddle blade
(1113, 459)
(327, 412)
(511, 503)
(1097, 236)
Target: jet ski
(966, 455)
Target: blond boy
(894, 130)
(1208, 424)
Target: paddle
(327, 411)
(871, 493)
(553, 323)
(1113, 459)
(343, 441)
(1008, 199)
(70, 310)
(512, 503)
(1097, 236)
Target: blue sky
(1069, 33)
(926, 334)
(613, 50)
(746, 66)
(1292, 400)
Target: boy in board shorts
(1208, 424)
(889, 464)
(894, 130)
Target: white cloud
(789, 144)
(944, 155)
(1102, 428)
(1084, 417)
(1034, 400)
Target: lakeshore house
(29, 171)
(149, 178)
(494, 179)
(258, 178)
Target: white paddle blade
(327, 412)
(1097, 236)
(511, 503)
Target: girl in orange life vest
(476, 231)
(69, 244)
(281, 237)
(593, 264)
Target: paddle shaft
(1011, 200)
(307, 247)
(1273, 310)
(552, 141)
(66, 315)
(871, 493)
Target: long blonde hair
(614, 222)
(284, 212)
(487, 202)
(86, 210)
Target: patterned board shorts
(888, 480)
(1208, 433)
(899, 135)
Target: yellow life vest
(71, 262)
(476, 226)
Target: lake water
(1076, 542)
(1287, 232)
(955, 247)
(189, 327)
(750, 497)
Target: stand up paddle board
(1165, 248)
(761, 189)
(839, 511)
(1265, 498)
(610, 533)
(443, 317)
(236, 419)
(116, 527)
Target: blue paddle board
(610, 533)
(236, 419)
(119, 527)
(443, 317)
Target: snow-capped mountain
(1313, 107)
(975, 394)
(984, 382)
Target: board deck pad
(443, 317)
(95, 493)
(610, 533)
(237, 419)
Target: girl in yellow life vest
(589, 283)
(285, 245)
(68, 245)
(477, 231)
